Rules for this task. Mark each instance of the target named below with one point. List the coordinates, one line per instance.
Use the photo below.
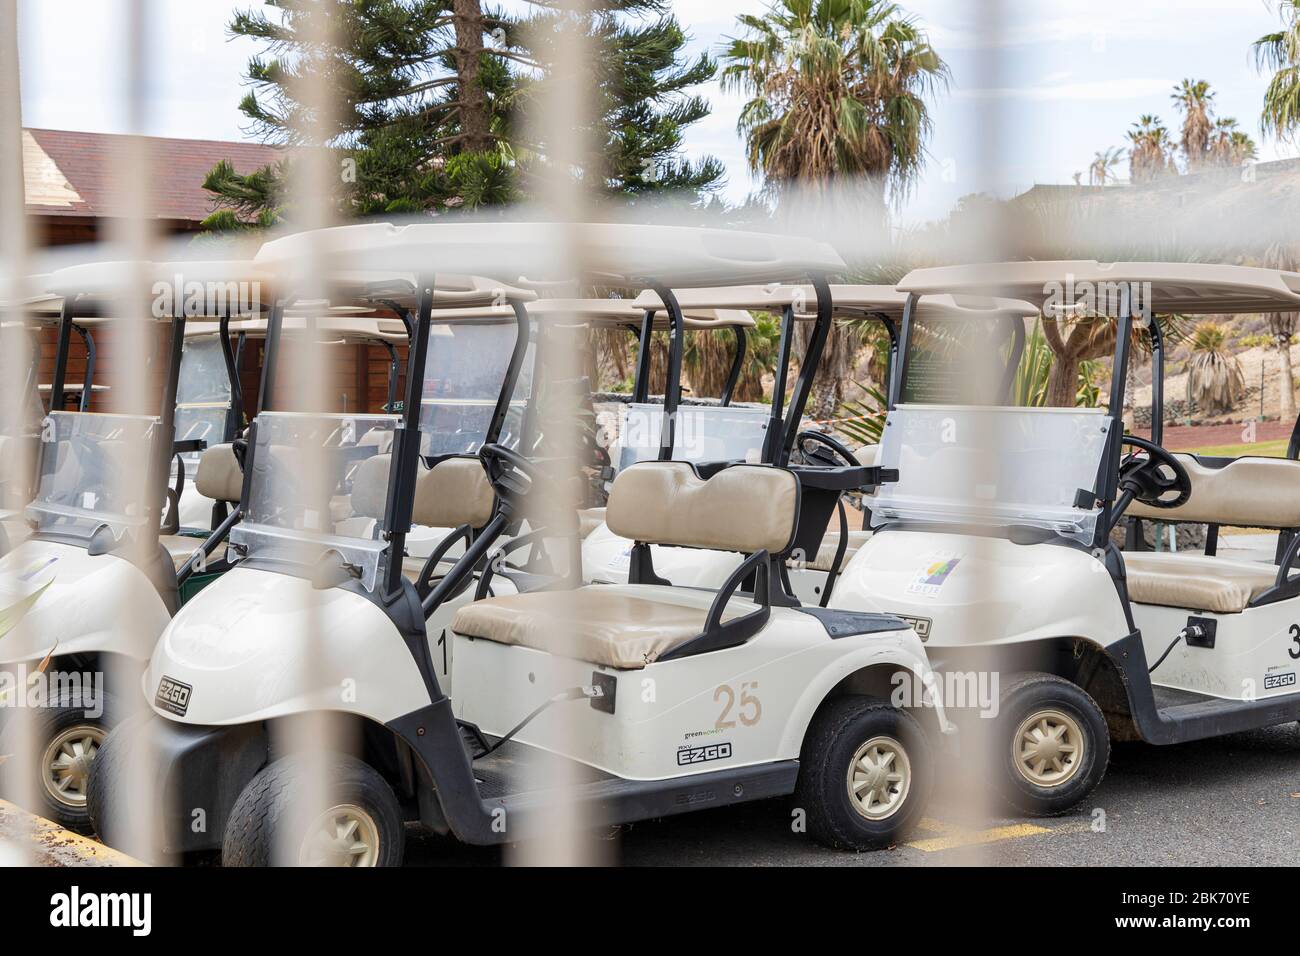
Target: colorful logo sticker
(15, 602)
(932, 577)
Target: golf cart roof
(759, 298)
(1190, 288)
(887, 301)
(609, 253)
(625, 312)
(97, 286)
(346, 328)
(383, 290)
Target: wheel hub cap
(65, 763)
(1048, 748)
(345, 835)
(879, 778)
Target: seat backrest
(219, 476)
(1249, 492)
(453, 492)
(744, 508)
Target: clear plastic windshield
(463, 376)
(701, 433)
(202, 394)
(993, 466)
(319, 484)
(92, 474)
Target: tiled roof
(67, 173)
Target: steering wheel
(1146, 477)
(819, 456)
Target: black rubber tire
(252, 836)
(44, 724)
(109, 776)
(1025, 693)
(838, 729)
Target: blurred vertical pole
(562, 116)
(304, 384)
(16, 467)
(139, 343)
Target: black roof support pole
(641, 383)
(405, 461)
(737, 366)
(236, 413)
(898, 371)
(1119, 375)
(1157, 381)
(522, 337)
(808, 366)
(673, 383)
(161, 464)
(61, 355)
(88, 380)
(785, 347)
(274, 323)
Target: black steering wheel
(1146, 477)
(807, 442)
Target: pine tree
(434, 94)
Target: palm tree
(1149, 157)
(1282, 326)
(837, 95)
(1280, 52)
(1244, 149)
(1229, 146)
(1102, 169)
(1215, 382)
(1193, 97)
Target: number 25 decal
(751, 708)
(1294, 652)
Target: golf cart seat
(1246, 492)
(744, 508)
(1196, 582)
(453, 492)
(220, 478)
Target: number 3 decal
(1294, 652)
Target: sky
(1038, 86)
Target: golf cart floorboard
(518, 768)
(1190, 716)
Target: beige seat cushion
(1196, 582)
(219, 476)
(743, 508)
(616, 626)
(1250, 492)
(826, 553)
(180, 547)
(589, 519)
(453, 492)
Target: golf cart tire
(46, 723)
(1023, 695)
(265, 806)
(837, 731)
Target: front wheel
(864, 774)
(65, 737)
(359, 823)
(1054, 744)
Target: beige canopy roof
(612, 253)
(333, 329)
(195, 288)
(1162, 288)
(871, 300)
(606, 313)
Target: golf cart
(757, 696)
(96, 582)
(708, 433)
(998, 539)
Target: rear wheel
(65, 738)
(864, 774)
(360, 826)
(1053, 743)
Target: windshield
(93, 473)
(202, 394)
(700, 433)
(463, 376)
(993, 466)
(319, 484)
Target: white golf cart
(96, 582)
(757, 696)
(712, 433)
(997, 540)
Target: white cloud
(1119, 88)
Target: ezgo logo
(76, 909)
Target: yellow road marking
(48, 844)
(951, 837)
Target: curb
(40, 842)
